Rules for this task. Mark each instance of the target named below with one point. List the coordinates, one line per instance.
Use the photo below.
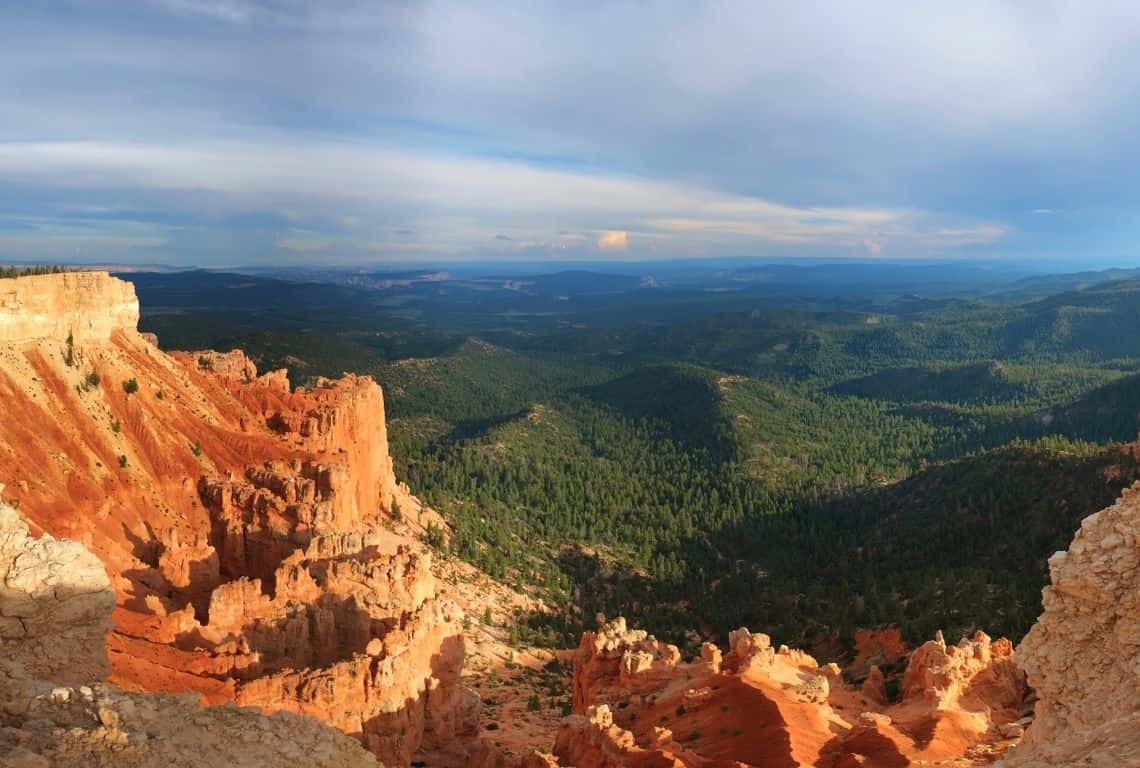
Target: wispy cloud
(757, 129)
(470, 198)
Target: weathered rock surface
(88, 306)
(636, 703)
(1083, 654)
(244, 526)
(56, 602)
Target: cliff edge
(245, 526)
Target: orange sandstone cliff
(243, 525)
(55, 608)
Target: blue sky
(222, 132)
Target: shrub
(130, 386)
(533, 704)
(116, 427)
(122, 461)
(196, 449)
(92, 380)
(434, 537)
(397, 515)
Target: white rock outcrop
(1083, 654)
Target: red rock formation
(244, 525)
(636, 703)
(55, 605)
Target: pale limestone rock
(1083, 654)
(87, 306)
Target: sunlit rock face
(244, 526)
(1083, 654)
(637, 703)
(55, 609)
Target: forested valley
(809, 463)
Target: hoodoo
(242, 524)
(636, 703)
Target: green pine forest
(698, 461)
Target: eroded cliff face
(1082, 654)
(244, 526)
(55, 608)
(637, 703)
(88, 306)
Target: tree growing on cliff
(434, 537)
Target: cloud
(457, 202)
(613, 240)
(873, 247)
(501, 236)
(1044, 211)
(231, 11)
(302, 244)
(757, 130)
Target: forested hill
(808, 463)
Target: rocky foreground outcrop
(244, 525)
(55, 608)
(1083, 654)
(637, 703)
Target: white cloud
(460, 203)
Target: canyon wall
(244, 525)
(55, 609)
(1083, 654)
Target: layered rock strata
(244, 525)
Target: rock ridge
(244, 525)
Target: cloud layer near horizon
(234, 131)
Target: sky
(227, 132)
